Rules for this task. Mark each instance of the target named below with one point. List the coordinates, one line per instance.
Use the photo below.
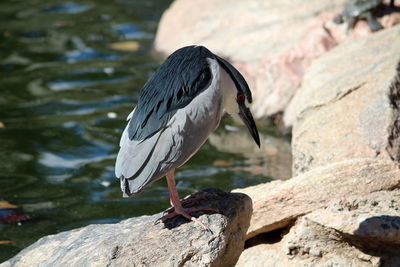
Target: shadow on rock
(381, 230)
(379, 236)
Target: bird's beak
(245, 114)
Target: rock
(277, 204)
(264, 255)
(271, 159)
(371, 220)
(140, 242)
(270, 42)
(341, 207)
(361, 230)
(308, 244)
(345, 109)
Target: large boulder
(368, 220)
(141, 242)
(277, 204)
(341, 208)
(346, 107)
(361, 230)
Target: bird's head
(238, 97)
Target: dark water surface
(65, 91)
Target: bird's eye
(240, 97)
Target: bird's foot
(188, 202)
(191, 200)
(185, 212)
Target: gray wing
(175, 83)
(173, 86)
(132, 159)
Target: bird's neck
(229, 93)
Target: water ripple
(129, 31)
(87, 54)
(66, 8)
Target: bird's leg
(177, 205)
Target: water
(67, 84)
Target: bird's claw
(191, 200)
(185, 212)
(188, 202)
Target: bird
(179, 106)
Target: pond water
(70, 73)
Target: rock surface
(362, 230)
(372, 219)
(277, 204)
(344, 109)
(341, 208)
(140, 242)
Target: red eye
(240, 97)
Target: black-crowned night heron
(178, 108)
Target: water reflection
(83, 52)
(129, 32)
(85, 78)
(66, 8)
(273, 159)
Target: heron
(179, 106)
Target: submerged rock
(141, 242)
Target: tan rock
(346, 154)
(264, 255)
(141, 242)
(307, 244)
(361, 230)
(310, 244)
(277, 204)
(344, 108)
(372, 220)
